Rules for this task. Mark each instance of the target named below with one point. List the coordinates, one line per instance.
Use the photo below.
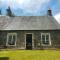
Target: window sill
(45, 45)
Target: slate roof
(28, 23)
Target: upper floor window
(45, 39)
(11, 39)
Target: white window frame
(11, 34)
(45, 39)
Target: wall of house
(20, 43)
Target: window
(11, 39)
(45, 39)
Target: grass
(31, 55)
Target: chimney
(49, 12)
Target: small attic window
(11, 39)
(45, 39)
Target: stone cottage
(29, 32)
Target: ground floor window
(11, 39)
(45, 39)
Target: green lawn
(31, 54)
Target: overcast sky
(32, 7)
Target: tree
(9, 12)
(0, 12)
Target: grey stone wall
(20, 44)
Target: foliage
(0, 12)
(9, 12)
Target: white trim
(12, 34)
(32, 40)
(45, 39)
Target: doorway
(29, 41)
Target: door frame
(32, 40)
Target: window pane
(13, 41)
(43, 39)
(47, 39)
(9, 40)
